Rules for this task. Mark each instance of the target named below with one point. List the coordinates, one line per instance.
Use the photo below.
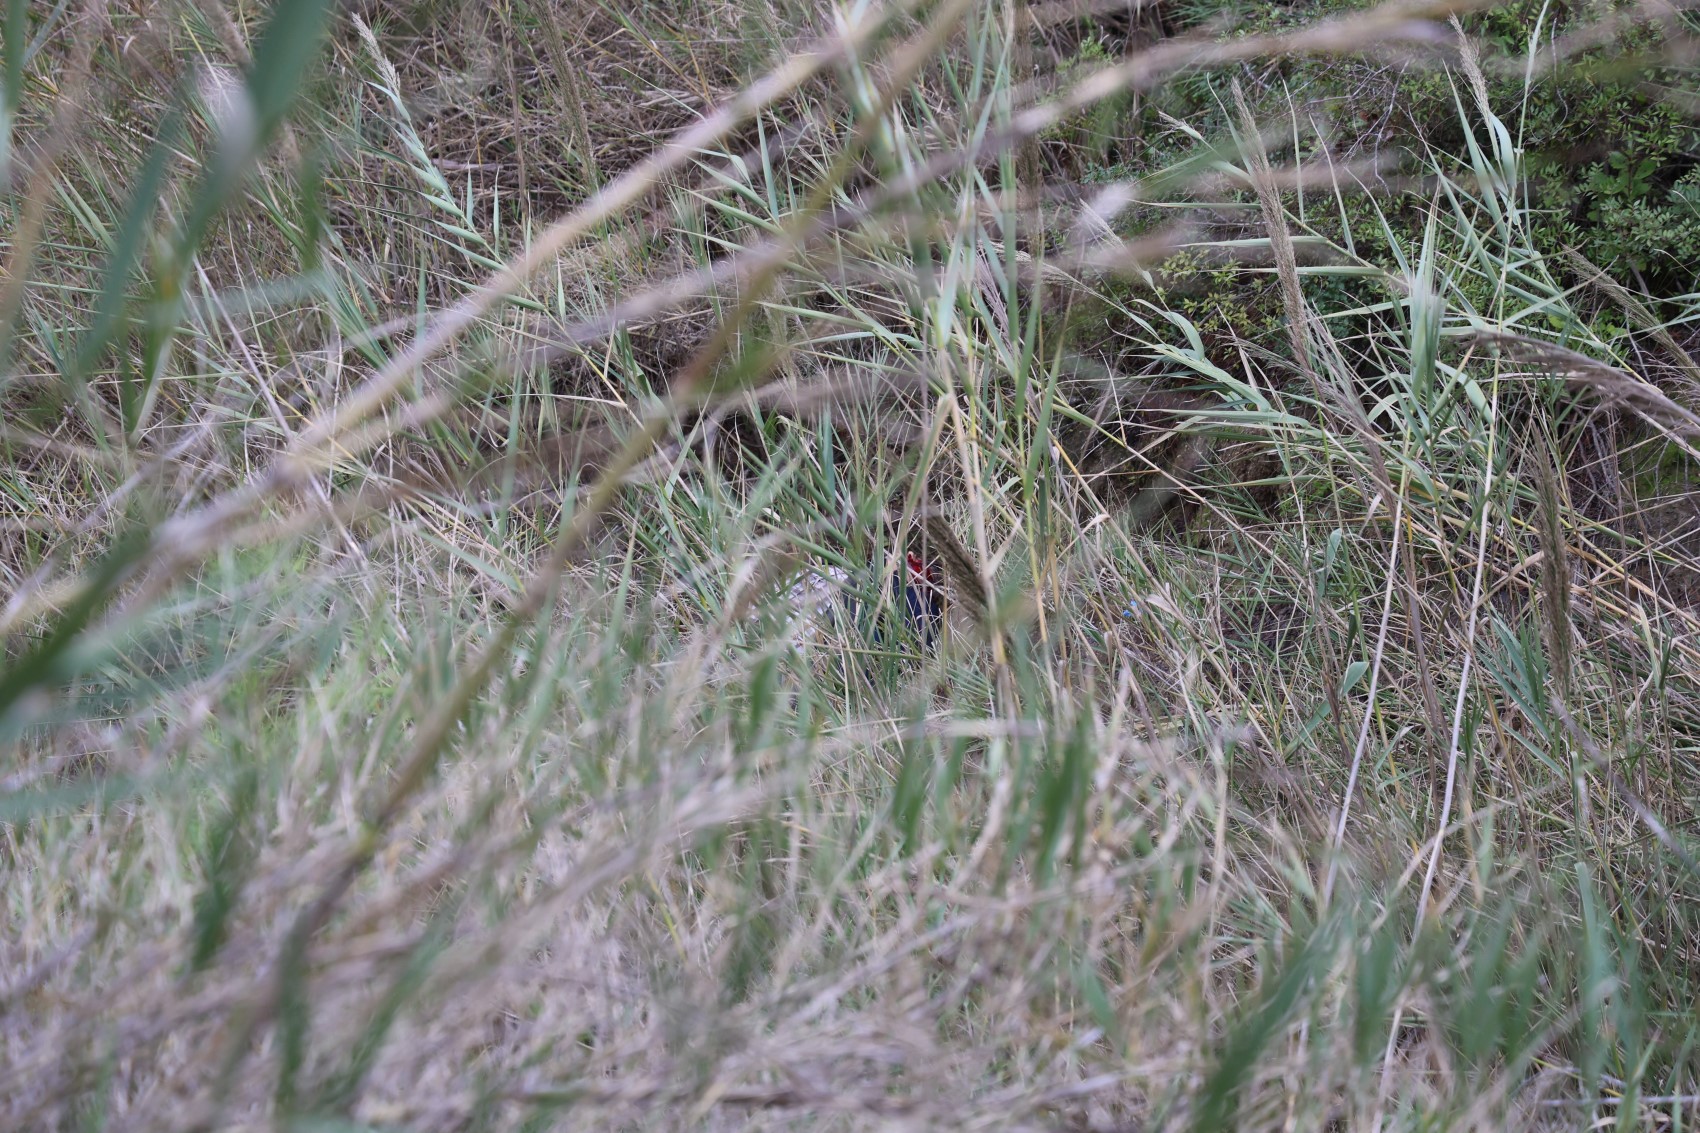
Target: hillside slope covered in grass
(452, 462)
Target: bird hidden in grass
(913, 616)
(917, 603)
(922, 592)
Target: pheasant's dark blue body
(917, 587)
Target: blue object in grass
(917, 591)
(915, 613)
(923, 597)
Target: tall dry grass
(417, 424)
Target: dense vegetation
(438, 438)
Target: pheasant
(920, 585)
(935, 565)
(832, 597)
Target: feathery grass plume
(1639, 313)
(1612, 385)
(460, 226)
(966, 581)
(1555, 570)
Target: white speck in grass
(1097, 219)
(231, 111)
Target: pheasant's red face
(920, 571)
